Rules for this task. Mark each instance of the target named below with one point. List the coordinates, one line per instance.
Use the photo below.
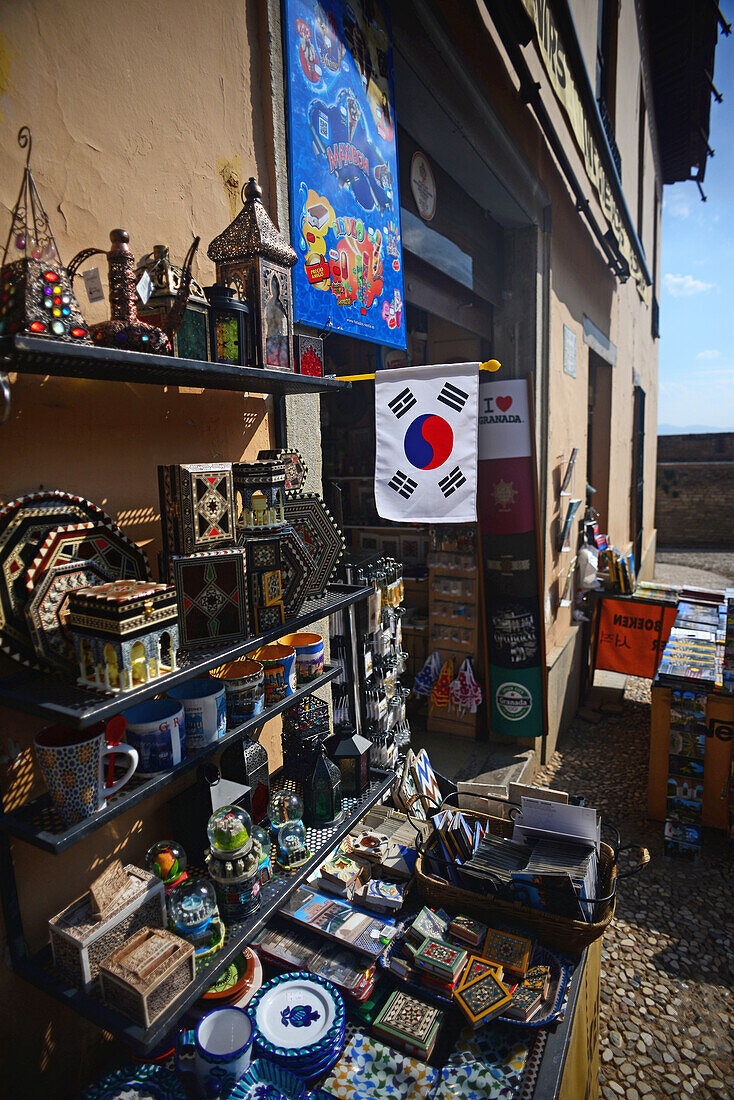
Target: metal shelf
(38, 822)
(36, 355)
(59, 699)
(39, 970)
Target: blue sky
(696, 370)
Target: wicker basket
(561, 933)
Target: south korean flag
(426, 443)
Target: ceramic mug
(205, 710)
(157, 729)
(309, 655)
(72, 762)
(222, 1046)
(244, 690)
(279, 665)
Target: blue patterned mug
(72, 762)
(222, 1047)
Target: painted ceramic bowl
(244, 690)
(279, 665)
(309, 655)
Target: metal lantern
(351, 754)
(246, 762)
(229, 326)
(191, 341)
(322, 792)
(255, 260)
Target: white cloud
(677, 205)
(683, 286)
(710, 354)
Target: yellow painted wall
(148, 117)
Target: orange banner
(632, 636)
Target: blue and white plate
(142, 1082)
(297, 1017)
(267, 1081)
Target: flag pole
(491, 365)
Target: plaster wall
(148, 118)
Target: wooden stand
(717, 762)
(463, 625)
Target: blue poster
(345, 209)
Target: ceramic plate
(311, 519)
(267, 1081)
(25, 524)
(314, 1064)
(297, 1015)
(138, 1083)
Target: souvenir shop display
(36, 296)
(233, 862)
(338, 920)
(351, 754)
(167, 860)
(197, 508)
(295, 949)
(125, 633)
(125, 330)
(192, 906)
(82, 935)
(147, 973)
(41, 531)
(253, 258)
(191, 339)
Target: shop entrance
(598, 438)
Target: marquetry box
(125, 632)
(144, 976)
(80, 943)
(212, 597)
(197, 507)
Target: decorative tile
(262, 553)
(267, 618)
(212, 599)
(370, 1070)
(323, 540)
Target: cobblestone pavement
(668, 958)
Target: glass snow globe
(292, 850)
(284, 806)
(166, 860)
(193, 906)
(230, 830)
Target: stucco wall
(149, 118)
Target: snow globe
(230, 831)
(292, 850)
(195, 916)
(167, 860)
(284, 806)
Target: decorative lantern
(351, 754)
(229, 326)
(253, 257)
(309, 354)
(322, 792)
(247, 762)
(191, 341)
(35, 289)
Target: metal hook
(25, 140)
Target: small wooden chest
(80, 942)
(144, 976)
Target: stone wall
(695, 490)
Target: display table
(717, 760)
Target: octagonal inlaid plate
(46, 609)
(24, 526)
(312, 521)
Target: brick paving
(666, 1026)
